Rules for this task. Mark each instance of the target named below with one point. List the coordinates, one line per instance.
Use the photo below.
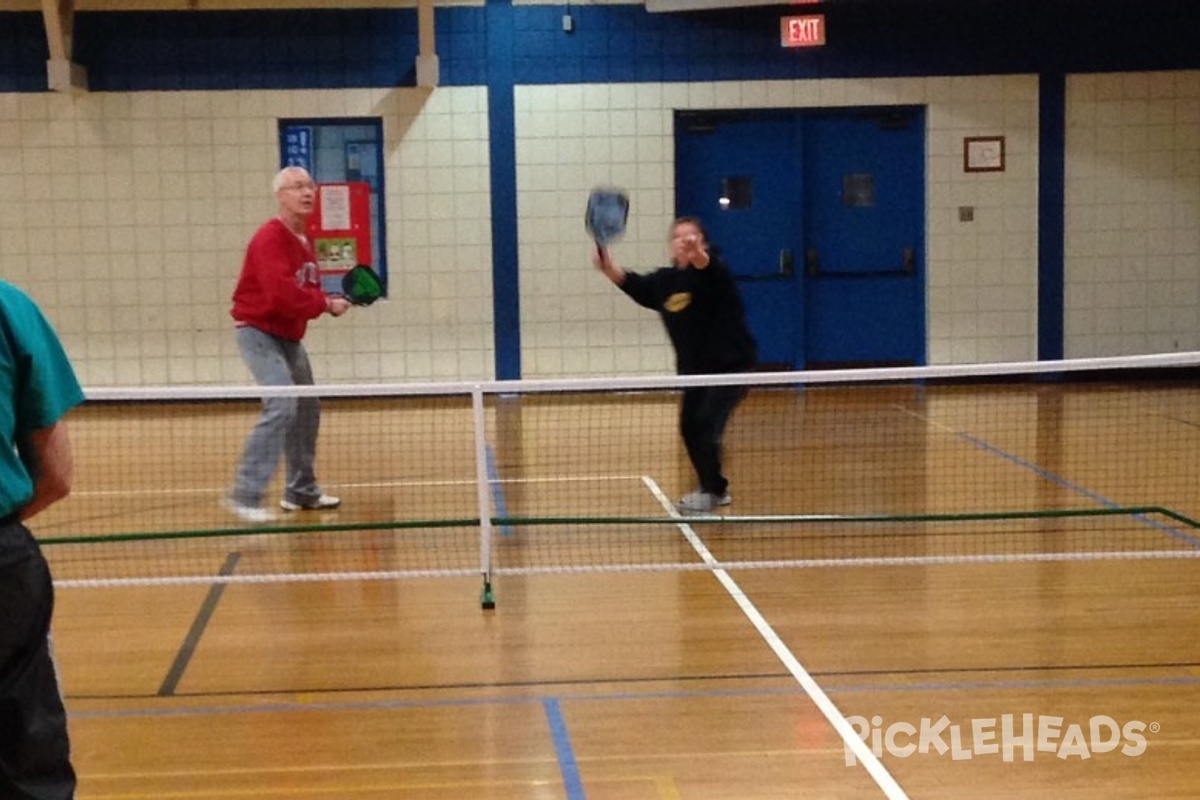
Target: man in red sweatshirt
(278, 292)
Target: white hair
(286, 174)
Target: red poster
(340, 227)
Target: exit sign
(805, 31)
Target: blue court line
(562, 747)
(498, 499)
(1061, 481)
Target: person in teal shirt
(37, 388)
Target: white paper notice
(335, 208)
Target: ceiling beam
(427, 59)
(59, 16)
(62, 74)
(670, 6)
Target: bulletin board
(340, 228)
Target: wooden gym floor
(649, 685)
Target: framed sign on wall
(983, 154)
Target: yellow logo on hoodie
(678, 302)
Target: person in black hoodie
(703, 314)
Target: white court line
(882, 777)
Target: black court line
(188, 648)
(649, 679)
(311, 705)
(85, 521)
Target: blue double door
(820, 215)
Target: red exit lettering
(806, 31)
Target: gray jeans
(287, 426)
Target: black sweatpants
(703, 415)
(35, 761)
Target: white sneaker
(323, 503)
(253, 514)
(701, 501)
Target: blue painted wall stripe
(256, 49)
(506, 294)
(1052, 147)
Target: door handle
(786, 262)
(908, 257)
(812, 262)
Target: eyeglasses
(307, 185)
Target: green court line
(701, 519)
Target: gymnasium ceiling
(59, 16)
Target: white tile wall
(1132, 269)
(126, 216)
(982, 275)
